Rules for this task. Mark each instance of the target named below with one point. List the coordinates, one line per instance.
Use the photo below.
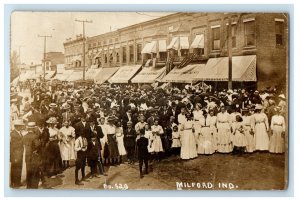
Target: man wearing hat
(67, 115)
(129, 141)
(16, 153)
(32, 156)
(82, 127)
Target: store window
(249, 33)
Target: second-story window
(216, 38)
(131, 53)
(279, 28)
(249, 33)
(139, 52)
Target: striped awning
(148, 75)
(124, 74)
(149, 48)
(198, 41)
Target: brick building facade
(174, 36)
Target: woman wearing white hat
(224, 133)
(53, 157)
(278, 131)
(261, 127)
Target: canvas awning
(198, 41)
(124, 74)
(76, 75)
(104, 74)
(91, 73)
(49, 75)
(186, 74)
(184, 42)
(174, 44)
(148, 75)
(162, 45)
(64, 75)
(216, 69)
(149, 48)
(97, 55)
(27, 75)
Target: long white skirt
(121, 148)
(224, 138)
(206, 144)
(261, 137)
(188, 145)
(277, 140)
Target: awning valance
(162, 46)
(149, 48)
(184, 43)
(186, 74)
(148, 75)
(104, 74)
(124, 74)
(64, 75)
(216, 69)
(174, 44)
(198, 41)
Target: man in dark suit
(142, 147)
(82, 128)
(31, 143)
(129, 141)
(67, 115)
(16, 154)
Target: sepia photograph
(149, 100)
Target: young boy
(93, 155)
(142, 146)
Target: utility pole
(83, 43)
(229, 46)
(44, 59)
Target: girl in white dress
(176, 140)
(224, 133)
(261, 128)
(157, 131)
(278, 131)
(249, 132)
(150, 137)
(120, 140)
(239, 139)
(188, 141)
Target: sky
(26, 26)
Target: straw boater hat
(110, 119)
(51, 120)
(282, 96)
(66, 106)
(19, 122)
(31, 125)
(52, 105)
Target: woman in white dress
(211, 121)
(188, 141)
(198, 119)
(206, 138)
(249, 132)
(157, 131)
(14, 111)
(224, 131)
(261, 128)
(278, 132)
(67, 143)
(120, 140)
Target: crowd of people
(111, 125)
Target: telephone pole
(229, 46)
(83, 43)
(44, 59)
